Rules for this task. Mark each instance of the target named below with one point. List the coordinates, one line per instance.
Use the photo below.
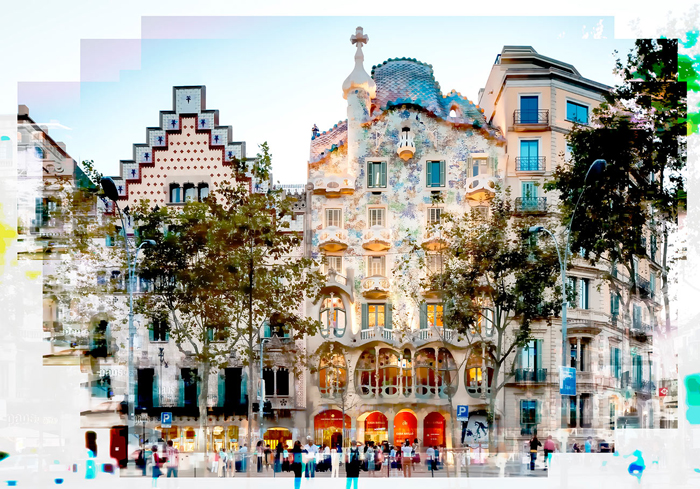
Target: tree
(640, 131)
(493, 284)
(222, 269)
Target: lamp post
(110, 191)
(595, 169)
(262, 387)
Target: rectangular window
(434, 216)
(615, 366)
(573, 354)
(203, 192)
(529, 354)
(190, 193)
(576, 113)
(637, 370)
(434, 315)
(377, 266)
(159, 330)
(637, 316)
(335, 263)
(572, 411)
(583, 293)
(528, 109)
(528, 412)
(435, 174)
(376, 315)
(175, 194)
(333, 217)
(652, 283)
(434, 263)
(529, 155)
(376, 217)
(376, 174)
(572, 291)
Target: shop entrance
(434, 430)
(376, 427)
(405, 427)
(328, 427)
(275, 436)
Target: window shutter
(156, 391)
(618, 365)
(151, 331)
(470, 164)
(221, 388)
(538, 355)
(442, 166)
(181, 391)
(493, 165)
(428, 173)
(365, 316)
(383, 173)
(199, 386)
(538, 409)
(210, 334)
(387, 316)
(423, 315)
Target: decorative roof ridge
(329, 131)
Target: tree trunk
(664, 281)
(203, 412)
(251, 395)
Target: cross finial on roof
(359, 38)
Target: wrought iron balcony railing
(531, 375)
(531, 204)
(530, 163)
(535, 116)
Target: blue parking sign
(567, 381)
(462, 413)
(166, 420)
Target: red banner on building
(434, 430)
(331, 419)
(376, 422)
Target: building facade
(391, 365)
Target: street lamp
(110, 191)
(595, 170)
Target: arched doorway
(328, 428)
(376, 427)
(275, 436)
(434, 430)
(405, 426)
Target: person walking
(407, 458)
(215, 463)
(549, 448)
(430, 455)
(267, 455)
(244, 457)
(352, 466)
(297, 455)
(231, 469)
(534, 443)
(223, 461)
(311, 450)
(173, 456)
(157, 464)
(370, 460)
(588, 445)
(279, 453)
(335, 463)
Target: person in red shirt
(549, 448)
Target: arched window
(332, 317)
(190, 192)
(333, 374)
(447, 373)
(474, 378)
(389, 365)
(175, 193)
(366, 374)
(203, 191)
(425, 373)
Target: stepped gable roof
(407, 81)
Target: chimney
(22, 110)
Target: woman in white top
(335, 462)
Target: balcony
(530, 205)
(333, 239)
(643, 285)
(375, 287)
(406, 147)
(336, 282)
(531, 164)
(376, 238)
(482, 187)
(641, 331)
(530, 120)
(530, 375)
(378, 333)
(433, 241)
(334, 186)
(435, 334)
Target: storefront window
(188, 442)
(434, 430)
(232, 437)
(388, 373)
(376, 428)
(328, 427)
(366, 374)
(217, 436)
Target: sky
(273, 78)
